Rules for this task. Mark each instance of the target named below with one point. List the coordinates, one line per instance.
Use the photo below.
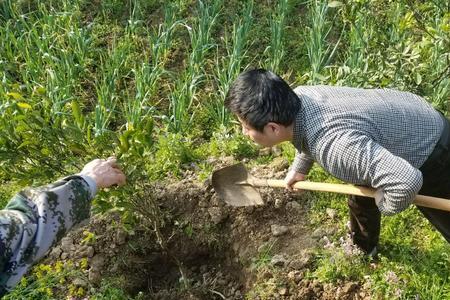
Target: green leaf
(15, 95)
(24, 144)
(76, 112)
(418, 78)
(45, 151)
(24, 105)
(40, 90)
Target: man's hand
(292, 177)
(105, 172)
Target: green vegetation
(412, 260)
(45, 278)
(146, 81)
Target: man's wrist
(91, 183)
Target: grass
(413, 258)
(148, 74)
(320, 50)
(112, 68)
(146, 80)
(277, 27)
(187, 85)
(229, 66)
(7, 190)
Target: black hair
(260, 96)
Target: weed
(264, 256)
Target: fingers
(289, 185)
(289, 181)
(120, 178)
(105, 172)
(291, 178)
(94, 162)
(112, 161)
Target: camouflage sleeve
(37, 218)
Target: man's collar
(298, 129)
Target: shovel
(236, 187)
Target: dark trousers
(365, 218)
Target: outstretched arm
(35, 219)
(355, 157)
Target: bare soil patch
(225, 253)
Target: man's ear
(273, 128)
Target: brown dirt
(225, 252)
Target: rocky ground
(204, 249)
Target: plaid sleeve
(351, 152)
(34, 220)
(302, 163)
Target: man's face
(267, 138)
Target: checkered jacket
(371, 137)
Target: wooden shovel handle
(421, 200)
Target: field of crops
(145, 80)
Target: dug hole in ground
(223, 252)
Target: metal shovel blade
(237, 187)
(229, 184)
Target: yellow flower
(59, 266)
(23, 282)
(80, 292)
(45, 268)
(38, 274)
(84, 263)
(69, 264)
(72, 289)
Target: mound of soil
(203, 249)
